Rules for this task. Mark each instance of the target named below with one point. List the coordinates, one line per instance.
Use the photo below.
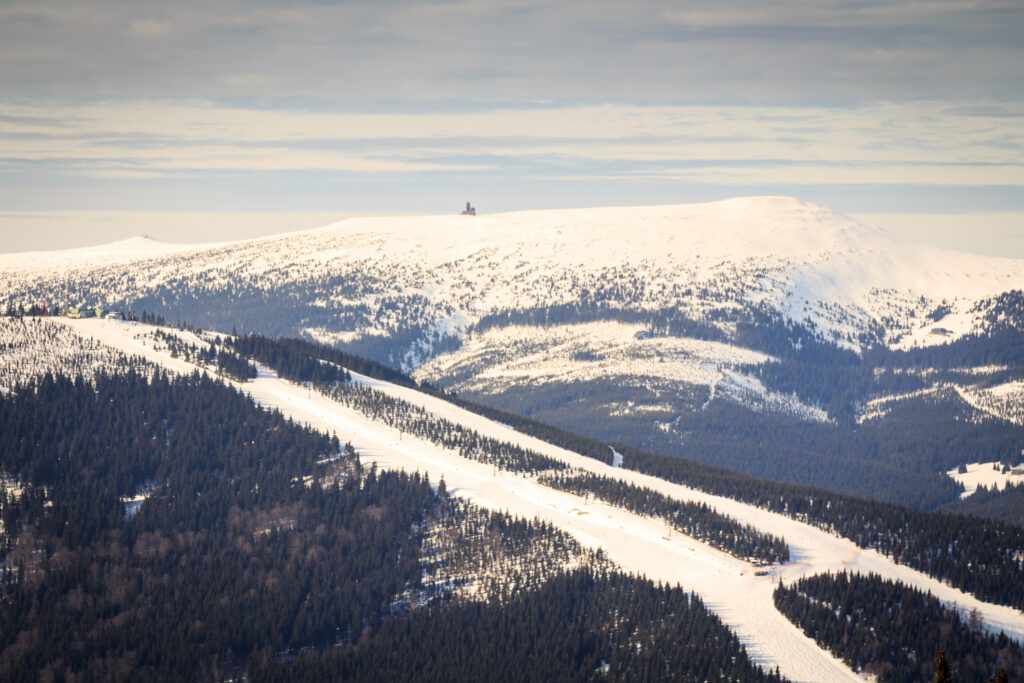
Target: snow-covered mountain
(627, 323)
(739, 333)
(440, 274)
(738, 589)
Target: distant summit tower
(470, 211)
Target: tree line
(693, 519)
(895, 632)
(304, 361)
(974, 554)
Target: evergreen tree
(942, 668)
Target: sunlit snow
(728, 585)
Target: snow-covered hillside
(439, 274)
(727, 584)
(31, 347)
(649, 326)
(612, 352)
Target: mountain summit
(764, 334)
(413, 280)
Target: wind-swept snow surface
(644, 545)
(439, 274)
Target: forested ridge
(578, 626)
(894, 631)
(900, 457)
(305, 361)
(975, 554)
(213, 355)
(259, 541)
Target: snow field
(638, 544)
(815, 265)
(520, 355)
(932, 333)
(987, 474)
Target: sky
(206, 121)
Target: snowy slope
(31, 347)
(620, 353)
(442, 273)
(451, 297)
(638, 544)
(987, 474)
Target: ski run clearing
(638, 544)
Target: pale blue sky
(204, 121)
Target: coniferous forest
(975, 554)
(212, 355)
(895, 632)
(412, 419)
(266, 548)
(693, 519)
(578, 626)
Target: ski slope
(638, 544)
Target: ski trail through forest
(638, 544)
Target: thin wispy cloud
(732, 51)
(788, 144)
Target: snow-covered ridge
(442, 273)
(139, 247)
(617, 353)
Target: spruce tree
(942, 668)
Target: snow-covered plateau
(442, 274)
(629, 324)
(406, 290)
(640, 544)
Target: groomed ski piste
(729, 586)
